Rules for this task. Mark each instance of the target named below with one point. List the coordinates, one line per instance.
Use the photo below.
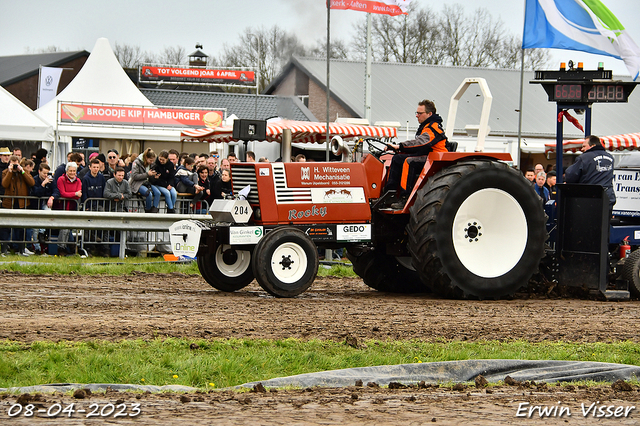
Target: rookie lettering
(313, 211)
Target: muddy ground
(146, 306)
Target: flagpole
(328, 253)
(367, 74)
(328, 68)
(39, 82)
(520, 109)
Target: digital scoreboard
(578, 86)
(589, 92)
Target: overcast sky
(152, 25)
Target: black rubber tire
(431, 230)
(295, 247)
(631, 272)
(211, 270)
(383, 272)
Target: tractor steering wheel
(374, 147)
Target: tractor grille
(285, 194)
(243, 176)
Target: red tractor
(472, 226)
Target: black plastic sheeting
(97, 387)
(494, 370)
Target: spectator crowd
(106, 183)
(544, 183)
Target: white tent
(102, 81)
(19, 123)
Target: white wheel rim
(490, 233)
(289, 263)
(238, 267)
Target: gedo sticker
(353, 232)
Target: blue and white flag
(583, 25)
(48, 84)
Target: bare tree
(149, 58)
(173, 55)
(407, 38)
(508, 54)
(446, 38)
(268, 49)
(337, 50)
(131, 56)
(48, 49)
(535, 59)
(471, 41)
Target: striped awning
(612, 143)
(301, 131)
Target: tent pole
(54, 155)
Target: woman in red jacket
(69, 189)
(68, 186)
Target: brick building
(19, 73)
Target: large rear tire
(227, 269)
(631, 272)
(285, 262)
(384, 272)
(477, 229)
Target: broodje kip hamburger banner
(155, 73)
(111, 115)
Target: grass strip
(230, 362)
(114, 266)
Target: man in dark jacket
(551, 184)
(594, 166)
(43, 189)
(85, 170)
(43, 186)
(93, 187)
(429, 138)
(93, 184)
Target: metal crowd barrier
(98, 225)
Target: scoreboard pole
(559, 145)
(559, 133)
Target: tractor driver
(429, 137)
(594, 166)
